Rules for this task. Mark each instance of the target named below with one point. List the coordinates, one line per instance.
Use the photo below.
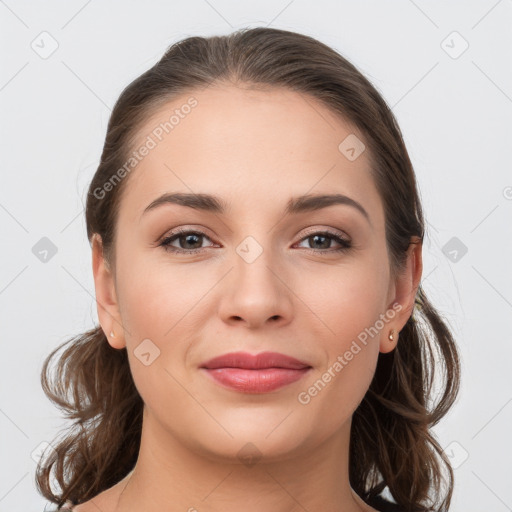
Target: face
(191, 284)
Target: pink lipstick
(260, 373)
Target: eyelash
(165, 243)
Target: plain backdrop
(444, 68)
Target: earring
(391, 336)
(112, 335)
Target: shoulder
(67, 507)
(105, 501)
(88, 506)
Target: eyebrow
(295, 205)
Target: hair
(391, 444)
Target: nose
(256, 293)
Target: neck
(172, 477)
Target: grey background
(453, 104)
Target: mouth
(260, 373)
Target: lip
(259, 373)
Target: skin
(255, 149)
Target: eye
(324, 240)
(191, 240)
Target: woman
(264, 341)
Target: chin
(251, 443)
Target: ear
(405, 288)
(106, 299)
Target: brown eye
(188, 242)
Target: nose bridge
(256, 290)
(254, 262)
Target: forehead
(249, 147)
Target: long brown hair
(391, 444)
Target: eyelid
(204, 231)
(325, 229)
(187, 228)
(334, 234)
(177, 232)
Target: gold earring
(391, 336)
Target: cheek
(350, 305)
(357, 304)
(157, 300)
(158, 305)
(166, 305)
(346, 299)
